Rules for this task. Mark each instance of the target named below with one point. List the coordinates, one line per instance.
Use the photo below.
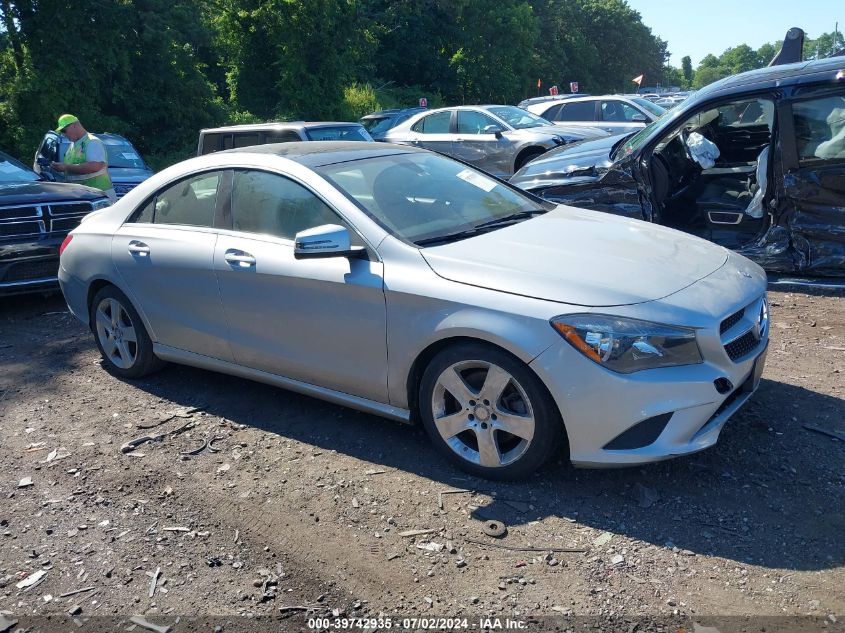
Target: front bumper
(598, 406)
(29, 266)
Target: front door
(321, 321)
(477, 144)
(164, 253)
(814, 182)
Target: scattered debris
(67, 594)
(145, 624)
(224, 467)
(74, 610)
(839, 435)
(645, 496)
(33, 580)
(6, 623)
(184, 413)
(154, 581)
(496, 529)
(176, 529)
(570, 550)
(450, 491)
(430, 546)
(131, 445)
(418, 532)
(374, 472)
(617, 559)
(26, 482)
(602, 539)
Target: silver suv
(234, 136)
(496, 138)
(615, 114)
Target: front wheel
(488, 413)
(121, 337)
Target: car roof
(278, 125)
(320, 153)
(771, 76)
(393, 111)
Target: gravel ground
(299, 503)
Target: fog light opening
(723, 385)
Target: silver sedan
(499, 139)
(400, 282)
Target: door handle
(139, 248)
(239, 259)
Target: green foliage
(686, 69)
(158, 71)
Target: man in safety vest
(85, 162)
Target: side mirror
(639, 118)
(328, 240)
(493, 129)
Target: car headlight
(100, 204)
(628, 345)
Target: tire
(469, 393)
(526, 157)
(115, 324)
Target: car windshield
(377, 125)
(422, 197)
(13, 171)
(645, 104)
(518, 118)
(339, 133)
(123, 155)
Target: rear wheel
(488, 413)
(121, 337)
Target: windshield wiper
(513, 218)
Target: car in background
(496, 138)
(754, 162)
(533, 100)
(236, 136)
(35, 217)
(126, 167)
(406, 284)
(378, 123)
(615, 114)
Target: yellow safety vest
(77, 154)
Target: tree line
(159, 70)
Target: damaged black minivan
(754, 162)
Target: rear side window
(189, 202)
(552, 113)
(211, 143)
(820, 129)
(437, 123)
(282, 136)
(339, 133)
(270, 204)
(580, 111)
(247, 140)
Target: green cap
(65, 120)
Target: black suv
(754, 162)
(35, 217)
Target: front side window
(211, 143)
(270, 204)
(247, 139)
(618, 112)
(437, 123)
(339, 133)
(579, 111)
(472, 122)
(282, 136)
(424, 197)
(189, 202)
(820, 129)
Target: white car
(615, 114)
(400, 282)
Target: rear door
(321, 321)
(583, 113)
(814, 182)
(165, 255)
(434, 132)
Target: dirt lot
(303, 504)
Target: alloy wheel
(116, 333)
(482, 413)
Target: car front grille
(122, 188)
(29, 270)
(743, 331)
(49, 220)
(731, 321)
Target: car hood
(579, 257)
(579, 162)
(129, 174)
(45, 191)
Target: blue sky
(711, 26)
